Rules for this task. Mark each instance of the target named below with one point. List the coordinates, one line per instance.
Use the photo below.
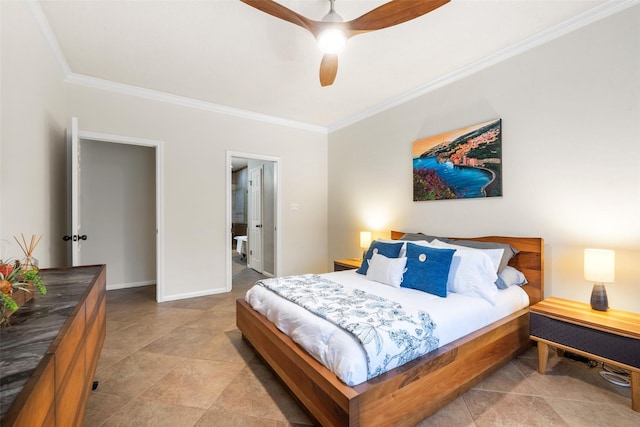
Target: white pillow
(495, 255)
(472, 273)
(388, 271)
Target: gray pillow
(509, 251)
(510, 277)
(414, 237)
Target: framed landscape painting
(460, 164)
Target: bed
(409, 393)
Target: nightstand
(611, 336)
(346, 264)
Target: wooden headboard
(530, 260)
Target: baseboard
(194, 294)
(115, 286)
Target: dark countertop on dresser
(33, 328)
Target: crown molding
(183, 101)
(47, 32)
(111, 86)
(579, 21)
(593, 15)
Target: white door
(254, 258)
(75, 236)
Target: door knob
(75, 237)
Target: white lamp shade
(600, 265)
(365, 239)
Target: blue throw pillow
(427, 269)
(390, 250)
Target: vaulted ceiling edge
(545, 36)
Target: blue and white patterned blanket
(389, 334)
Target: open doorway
(252, 216)
(111, 220)
(117, 201)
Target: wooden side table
(346, 264)
(611, 336)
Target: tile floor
(184, 364)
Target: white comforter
(455, 316)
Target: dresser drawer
(609, 346)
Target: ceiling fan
(332, 32)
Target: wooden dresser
(50, 350)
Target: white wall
(571, 158)
(32, 139)
(195, 144)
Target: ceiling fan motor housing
(332, 39)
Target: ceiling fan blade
(279, 11)
(328, 69)
(392, 13)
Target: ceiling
(227, 56)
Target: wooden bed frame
(411, 392)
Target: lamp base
(599, 300)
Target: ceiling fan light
(332, 40)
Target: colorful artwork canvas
(460, 164)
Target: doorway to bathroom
(252, 216)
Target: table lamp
(365, 242)
(599, 268)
